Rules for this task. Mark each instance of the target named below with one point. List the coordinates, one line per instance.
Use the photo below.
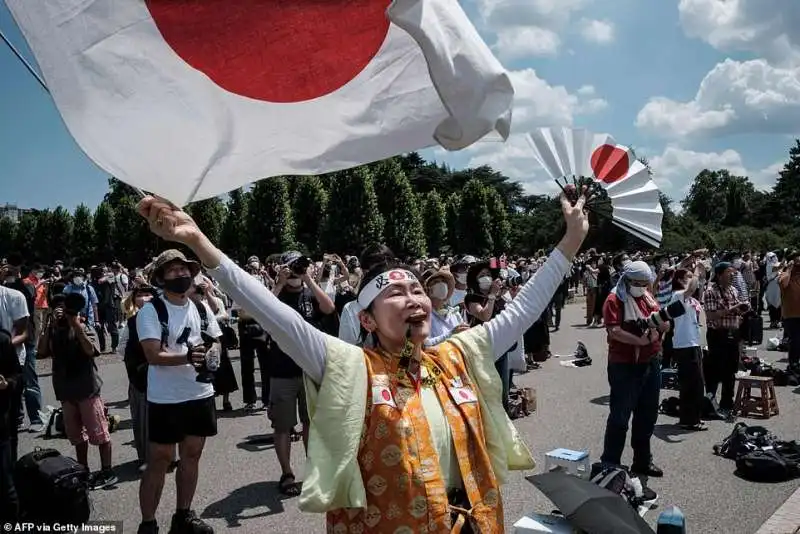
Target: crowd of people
(434, 341)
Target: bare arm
(156, 356)
(20, 331)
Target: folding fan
(596, 160)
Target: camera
(658, 318)
(300, 265)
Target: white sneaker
(37, 428)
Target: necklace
(409, 369)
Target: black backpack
(744, 440)
(52, 488)
(135, 360)
(766, 466)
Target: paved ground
(237, 491)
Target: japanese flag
(193, 98)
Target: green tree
(269, 218)
(434, 217)
(474, 219)
(786, 194)
(309, 202)
(58, 229)
(103, 231)
(83, 246)
(403, 229)
(8, 236)
(41, 248)
(453, 214)
(26, 236)
(126, 243)
(209, 214)
(234, 238)
(353, 220)
(500, 226)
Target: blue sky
(689, 83)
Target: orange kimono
(384, 475)
(406, 493)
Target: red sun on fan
(610, 163)
(274, 50)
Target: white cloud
(538, 103)
(542, 13)
(524, 41)
(597, 31)
(675, 168)
(769, 28)
(735, 97)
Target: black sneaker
(650, 470)
(103, 479)
(189, 524)
(648, 494)
(150, 527)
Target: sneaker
(648, 494)
(150, 527)
(650, 470)
(249, 407)
(36, 428)
(103, 479)
(189, 523)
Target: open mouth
(417, 319)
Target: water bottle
(671, 521)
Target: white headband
(372, 289)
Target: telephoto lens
(676, 309)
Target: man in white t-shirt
(181, 410)
(14, 318)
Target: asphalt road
(237, 491)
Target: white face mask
(78, 280)
(439, 291)
(294, 282)
(637, 292)
(461, 278)
(485, 282)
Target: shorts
(85, 420)
(286, 397)
(168, 424)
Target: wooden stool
(764, 406)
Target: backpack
(135, 360)
(744, 440)
(670, 406)
(52, 488)
(766, 466)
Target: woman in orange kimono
(403, 439)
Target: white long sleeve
(507, 327)
(298, 339)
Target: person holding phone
(724, 309)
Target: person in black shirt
(103, 284)
(296, 288)
(10, 386)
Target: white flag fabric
(190, 99)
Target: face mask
(78, 280)
(39, 274)
(294, 282)
(637, 292)
(439, 291)
(179, 285)
(485, 282)
(461, 278)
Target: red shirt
(613, 311)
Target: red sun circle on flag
(385, 395)
(274, 50)
(610, 163)
(396, 275)
(463, 394)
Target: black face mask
(178, 285)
